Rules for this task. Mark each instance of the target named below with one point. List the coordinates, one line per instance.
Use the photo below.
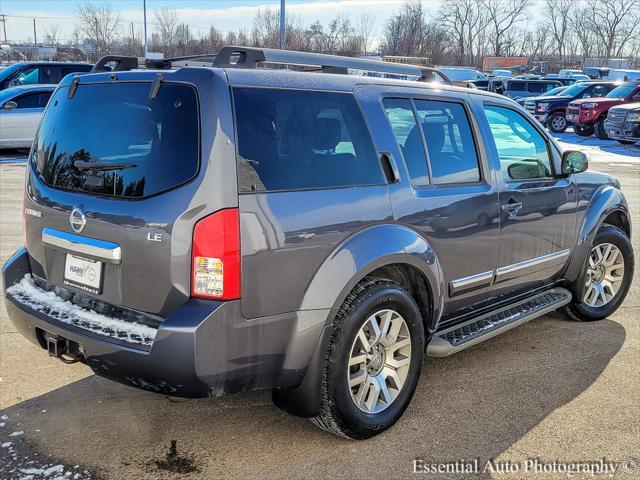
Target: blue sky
(199, 14)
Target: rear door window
(293, 140)
(405, 129)
(112, 139)
(450, 143)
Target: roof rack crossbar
(167, 63)
(122, 64)
(249, 57)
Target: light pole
(144, 8)
(282, 25)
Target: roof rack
(250, 57)
(205, 60)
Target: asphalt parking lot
(551, 390)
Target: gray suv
(199, 231)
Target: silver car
(21, 109)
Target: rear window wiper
(82, 165)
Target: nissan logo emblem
(77, 219)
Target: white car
(21, 109)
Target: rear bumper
(203, 348)
(625, 131)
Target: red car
(588, 114)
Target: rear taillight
(216, 256)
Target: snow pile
(28, 294)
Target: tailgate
(114, 190)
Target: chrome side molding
(472, 282)
(533, 265)
(107, 251)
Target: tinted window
(407, 133)
(450, 145)
(600, 90)
(290, 139)
(78, 68)
(44, 98)
(29, 100)
(111, 139)
(521, 148)
(537, 87)
(517, 86)
(49, 74)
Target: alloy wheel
(379, 361)
(605, 273)
(559, 122)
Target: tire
(583, 131)
(580, 309)
(557, 122)
(600, 131)
(339, 413)
(627, 142)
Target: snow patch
(28, 294)
(6, 444)
(16, 434)
(45, 472)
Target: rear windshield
(112, 139)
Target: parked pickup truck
(623, 123)
(210, 230)
(551, 110)
(588, 115)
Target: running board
(476, 330)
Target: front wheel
(373, 362)
(557, 122)
(583, 131)
(607, 276)
(601, 133)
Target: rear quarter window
(299, 140)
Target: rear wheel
(557, 122)
(373, 362)
(583, 131)
(600, 131)
(607, 276)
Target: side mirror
(10, 105)
(574, 162)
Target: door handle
(390, 167)
(512, 207)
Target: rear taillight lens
(216, 256)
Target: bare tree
(557, 15)
(100, 26)
(52, 35)
(615, 22)
(365, 29)
(167, 24)
(503, 16)
(465, 22)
